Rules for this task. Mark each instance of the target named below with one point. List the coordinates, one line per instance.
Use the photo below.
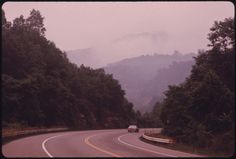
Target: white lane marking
(141, 148)
(46, 140)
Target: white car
(133, 128)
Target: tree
(35, 22)
(222, 35)
(42, 88)
(173, 113)
(155, 114)
(4, 20)
(212, 103)
(200, 111)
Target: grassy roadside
(9, 134)
(185, 148)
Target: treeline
(200, 111)
(40, 87)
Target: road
(91, 143)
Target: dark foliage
(40, 87)
(200, 111)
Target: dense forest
(200, 111)
(41, 88)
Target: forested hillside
(40, 87)
(154, 90)
(145, 78)
(200, 111)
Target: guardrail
(170, 141)
(31, 131)
(152, 130)
(8, 135)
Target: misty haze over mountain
(127, 46)
(144, 78)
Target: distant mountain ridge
(82, 56)
(144, 78)
(171, 75)
(126, 46)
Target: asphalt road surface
(91, 143)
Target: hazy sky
(130, 28)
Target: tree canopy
(40, 87)
(200, 111)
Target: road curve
(91, 143)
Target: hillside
(144, 78)
(171, 75)
(41, 88)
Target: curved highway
(91, 143)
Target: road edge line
(46, 140)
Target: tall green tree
(200, 111)
(35, 22)
(221, 35)
(40, 87)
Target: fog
(117, 30)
